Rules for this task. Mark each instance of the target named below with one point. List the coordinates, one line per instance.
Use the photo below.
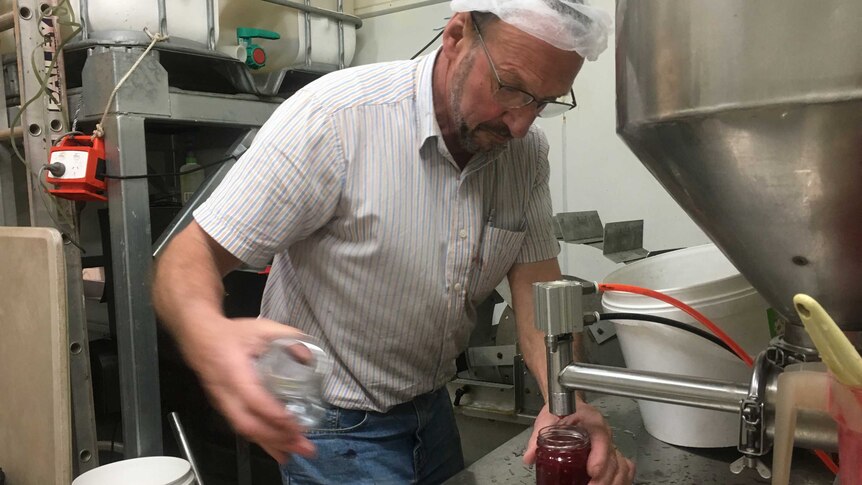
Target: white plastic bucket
(148, 470)
(704, 279)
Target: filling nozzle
(558, 314)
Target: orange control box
(84, 160)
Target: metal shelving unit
(94, 64)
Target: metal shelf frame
(42, 123)
(146, 96)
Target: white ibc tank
(289, 23)
(187, 19)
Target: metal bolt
(85, 456)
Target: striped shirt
(381, 246)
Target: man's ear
(454, 41)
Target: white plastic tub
(703, 278)
(150, 470)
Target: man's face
(521, 61)
(471, 139)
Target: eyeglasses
(512, 97)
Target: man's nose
(519, 120)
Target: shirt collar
(425, 117)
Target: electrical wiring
(427, 45)
(61, 13)
(149, 175)
(715, 329)
(58, 11)
(170, 174)
(668, 322)
(57, 224)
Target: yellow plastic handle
(835, 350)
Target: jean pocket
(339, 421)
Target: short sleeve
(285, 187)
(540, 242)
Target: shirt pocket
(497, 252)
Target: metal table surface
(657, 462)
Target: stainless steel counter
(657, 462)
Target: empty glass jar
(293, 370)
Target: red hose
(682, 306)
(826, 459)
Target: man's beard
(467, 135)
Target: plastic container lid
(701, 275)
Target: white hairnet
(569, 25)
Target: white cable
(42, 179)
(157, 37)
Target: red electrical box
(84, 160)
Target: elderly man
(391, 199)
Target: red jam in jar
(561, 458)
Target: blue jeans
(415, 442)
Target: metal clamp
(752, 419)
(752, 432)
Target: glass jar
(561, 458)
(293, 370)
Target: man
(393, 199)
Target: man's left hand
(605, 465)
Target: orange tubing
(826, 459)
(682, 306)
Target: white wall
(591, 168)
(399, 35)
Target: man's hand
(222, 351)
(605, 465)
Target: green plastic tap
(255, 55)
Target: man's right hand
(222, 351)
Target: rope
(157, 37)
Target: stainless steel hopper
(749, 112)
